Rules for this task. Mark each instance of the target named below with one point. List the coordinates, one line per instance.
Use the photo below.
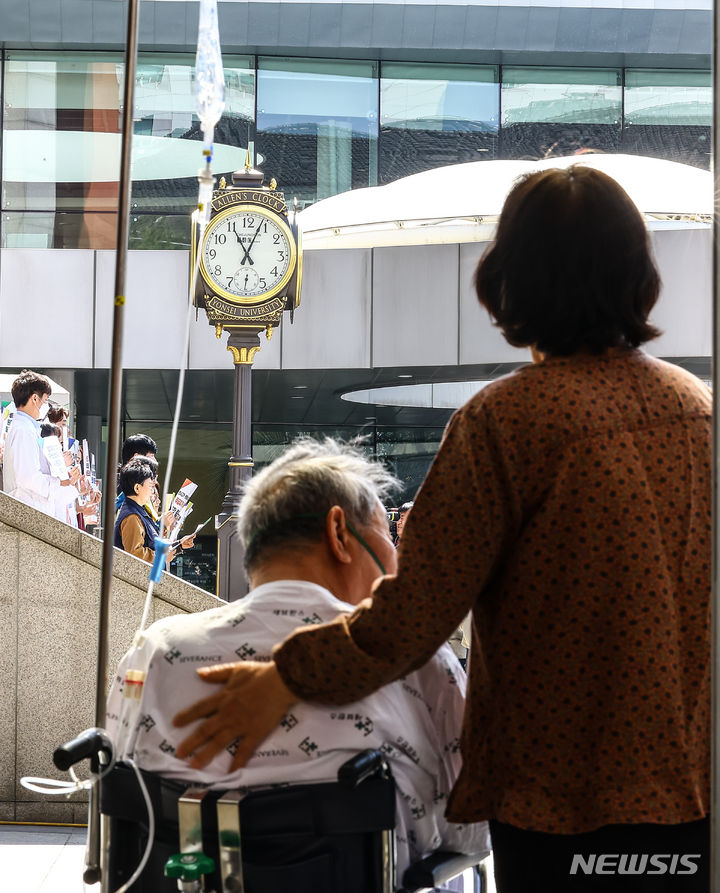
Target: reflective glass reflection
(560, 111)
(54, 106)
(164, 173)
(432, 115)
(62, 123)
(59, 229)
(408, 452)
(668, 114)
(94, 230)
(317, 123)
(160, 232)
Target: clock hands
(246, 251)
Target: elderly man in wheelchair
(316, 537)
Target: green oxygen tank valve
(189, 869)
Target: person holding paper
(135, 530)
(65, 497)
(26, 471)
(58, 415)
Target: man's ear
(338, 535)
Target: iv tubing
(54, 787)
(201, 220)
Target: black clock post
(250, 270)
(231, 581)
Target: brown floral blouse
(569, 507)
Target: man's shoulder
(181, 624)
(235, 622)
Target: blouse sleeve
(464, 516)
(132, 533)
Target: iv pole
(92, 859)
(116, 358)
(210, 101)
(715, 601)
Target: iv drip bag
(209, 76)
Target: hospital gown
(415, 721)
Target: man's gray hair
(287, 501)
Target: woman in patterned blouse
(577, 490)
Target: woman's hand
(249, 706)
(188, 542)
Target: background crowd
(68, 491)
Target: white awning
(59, 394)
(462, 202)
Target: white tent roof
(461, 202)
(59, 394)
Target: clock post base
(232, 582)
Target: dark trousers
(612, 859)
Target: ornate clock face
(247, 254)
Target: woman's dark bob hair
(137, 471)
(570, 269)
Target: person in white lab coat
(65, 497)
(26, 472)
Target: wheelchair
(334, 837)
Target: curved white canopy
(461, 202)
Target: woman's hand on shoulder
(249, 706)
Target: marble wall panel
(9, 559)
(57, 621)
(48, 645)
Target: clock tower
(247, 270)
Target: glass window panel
(668, 114)
(668, 97)
(166, 232)
(560, 111)
(432, 115)
(408, 452)
(60, 229)
(164, 173)
(570, 95)
(317, 125)
(62, 121)
(271, 441)
(61, 113)
(48, 89)
(75, 229)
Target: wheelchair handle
(89, 743)
(366, 764)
